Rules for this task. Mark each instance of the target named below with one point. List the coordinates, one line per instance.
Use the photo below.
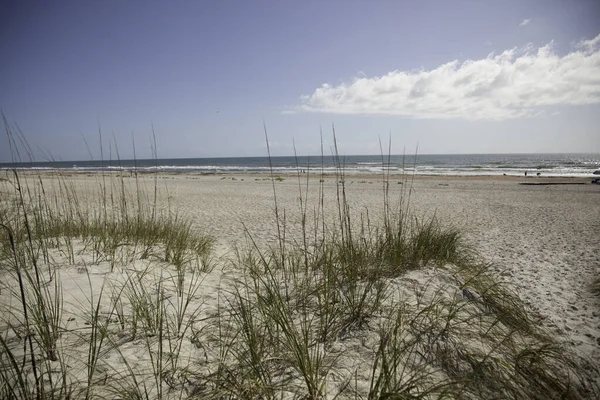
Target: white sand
(544, 240)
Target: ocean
(552, 165)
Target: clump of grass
(44, 223)
(409, 299)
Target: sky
(454, 77)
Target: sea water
(553, 165)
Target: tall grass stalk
(46, 223)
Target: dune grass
(376, 305)
(440, 330)
(47, 230)
(39, 241)
(404, 309)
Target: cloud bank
(515, 83)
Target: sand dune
(542, 240)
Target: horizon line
(293, 155)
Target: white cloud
(526, 21)
(512, 84)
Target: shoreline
(315, 175)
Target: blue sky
(452, 77)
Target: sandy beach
(540, 239)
